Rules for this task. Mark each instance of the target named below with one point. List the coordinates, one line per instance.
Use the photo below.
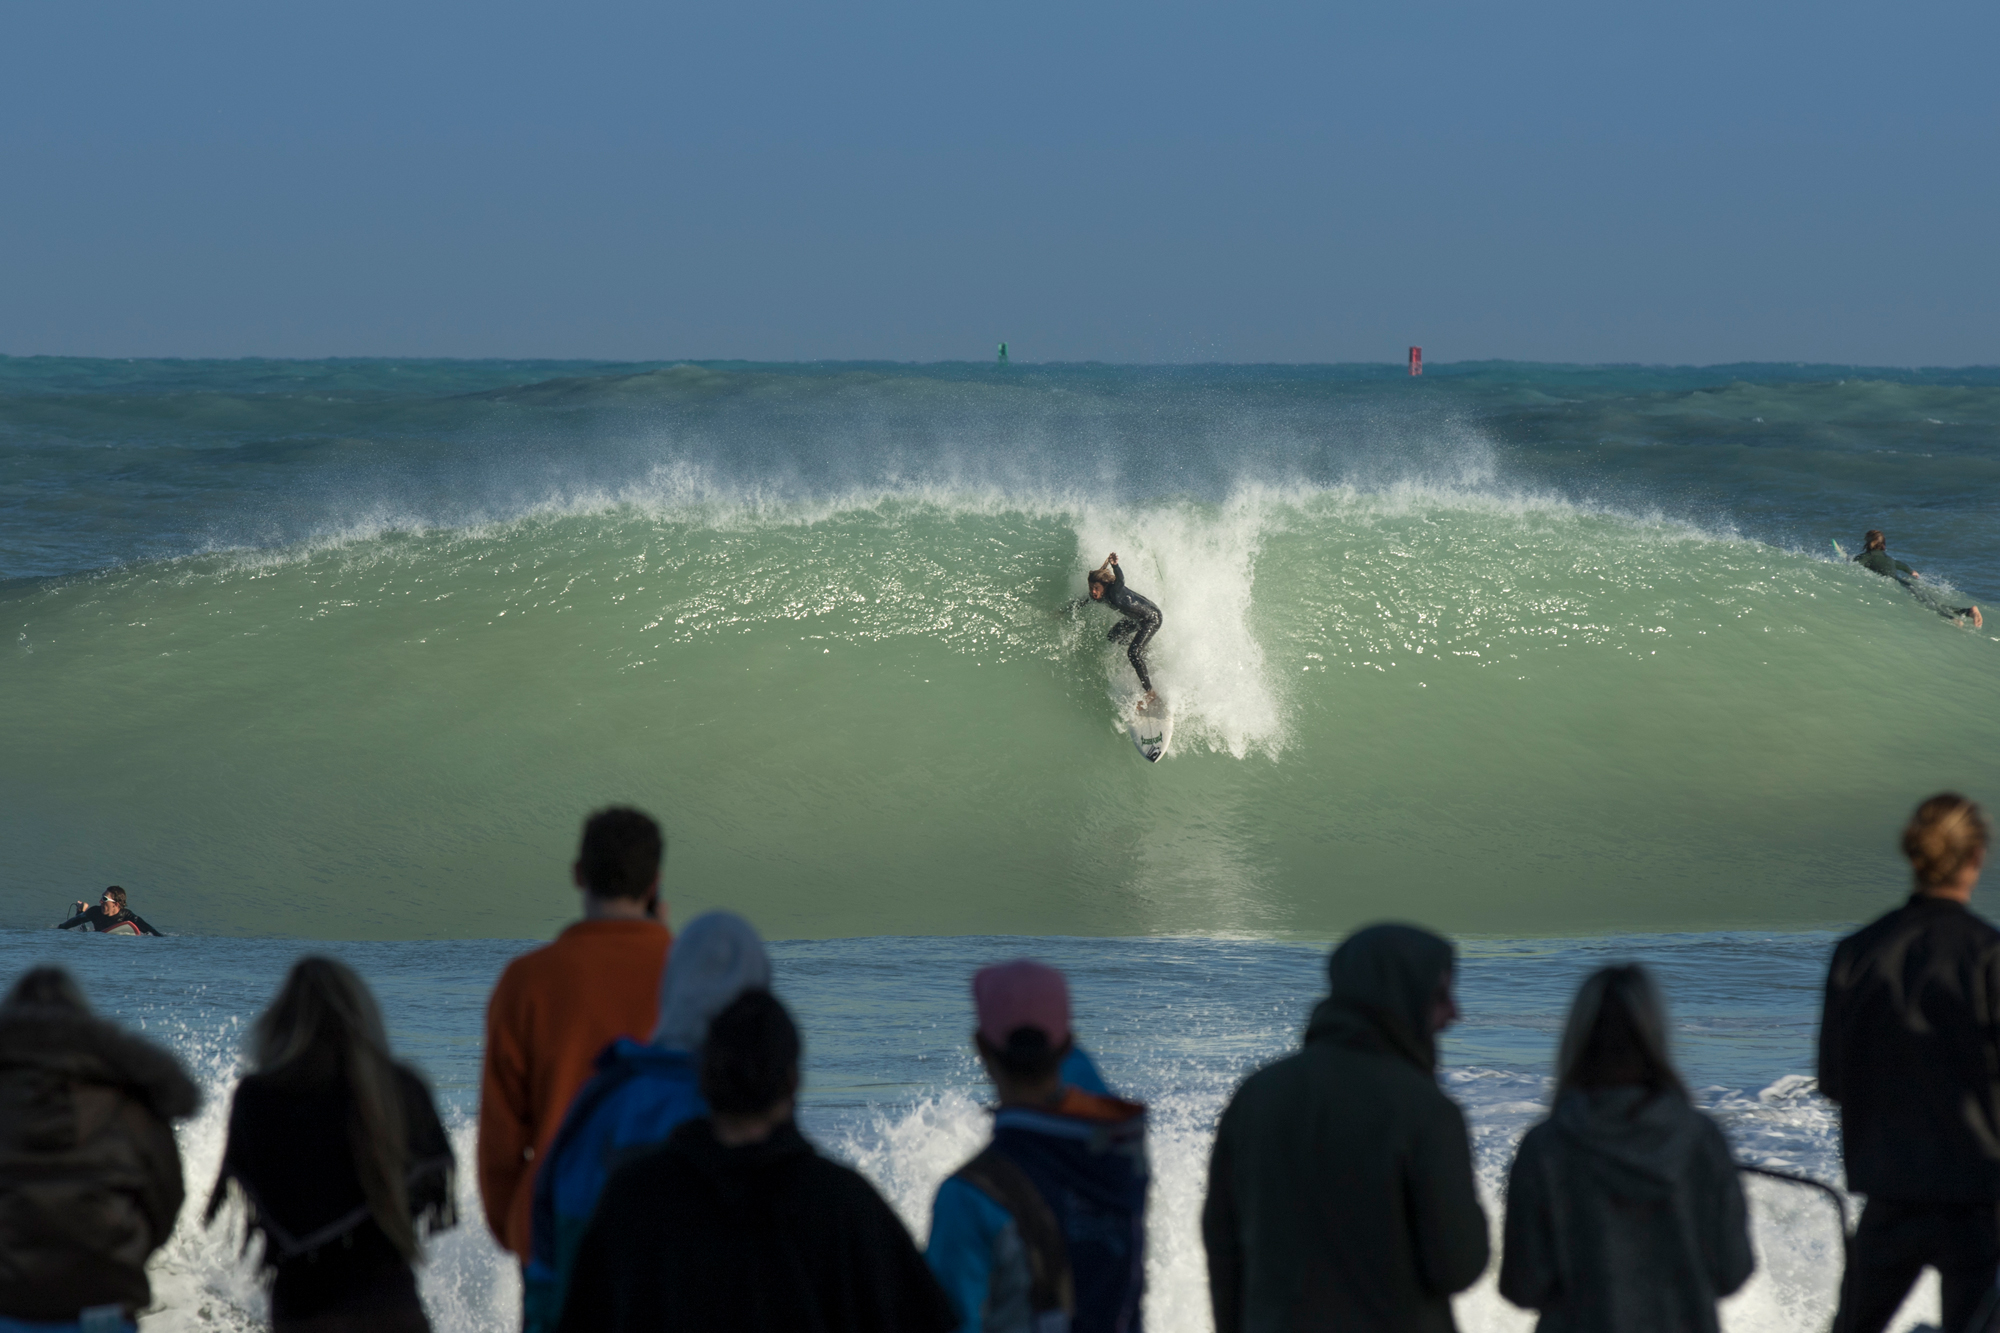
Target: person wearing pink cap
(1045, 1229)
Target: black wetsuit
(1141, 623)
(95, 918)
(1881, 562)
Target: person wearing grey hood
(639, 1095)
(1340, 1193)
(1624, 1210)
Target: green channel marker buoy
(1003, 354)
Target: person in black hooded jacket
(1909, 1047)
(1624, 1210)
(90, 1177)
(1340, 1193)
(735, 1224)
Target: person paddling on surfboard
(1875, 555)
(109, 917)
(1141, 620)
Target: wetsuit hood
(1382, 980)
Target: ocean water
(1560, 660)
(346, 648)
(892, 1089)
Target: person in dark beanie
(1624, 1210)
(1907, 1048)
(736, 1225)
(1340, 1192)
(90, 1177)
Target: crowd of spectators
(639, 1157)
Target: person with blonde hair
(1624, 1211)
(1909, 1048)
(337, 1154)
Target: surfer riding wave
(1141, 620)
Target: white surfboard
(1151, 730)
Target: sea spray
(204, 1281)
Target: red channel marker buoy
(1416, 360)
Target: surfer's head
(1874, 540)
(1099, 581)
(1945, 841)
(114, 899)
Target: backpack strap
(1052, 1287)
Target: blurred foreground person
(1907, 1048)
(639, 1095)
(556, 1008)
(338, 1157)
(1340, 1193)
(737, 1226)
(90, 1178)
(1624, 1210)
(1046, 1227)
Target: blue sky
(1693, 182)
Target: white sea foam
(1795, 1232)
(201, 1283)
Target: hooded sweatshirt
(1340, 1193)
(1624, 1215)
(765, 1238)
(638, 1096)
(90, 1177)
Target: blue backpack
(638, 1096)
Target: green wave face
(893, 714)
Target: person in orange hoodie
(556, 1009)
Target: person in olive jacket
(1341, 1193)
(90, 1177)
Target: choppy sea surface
(892, 1089)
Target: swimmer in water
(1875, 555)
(109, 917)
(1141, 620)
